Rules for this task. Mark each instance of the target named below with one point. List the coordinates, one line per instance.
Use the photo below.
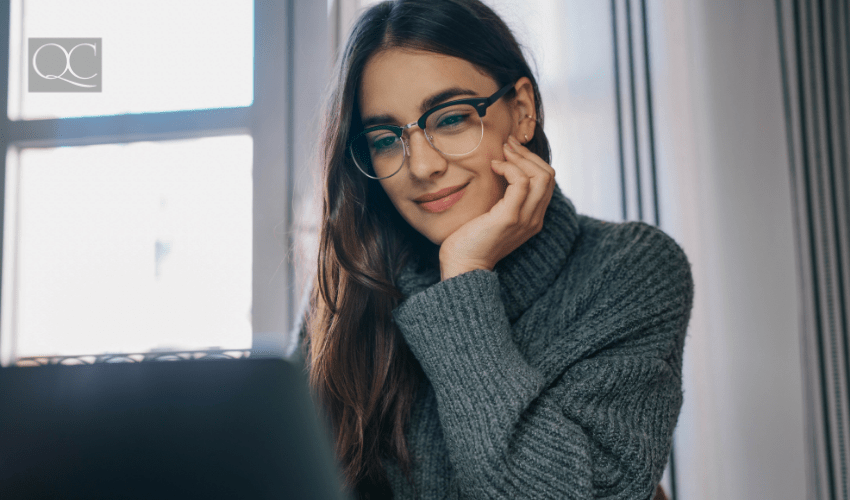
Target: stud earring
(526, 137)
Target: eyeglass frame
(479, 103)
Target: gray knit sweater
(556, 375)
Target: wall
(727, 195)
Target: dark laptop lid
(241, 428)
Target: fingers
(516, 193)
(528, 155)
(539, 186)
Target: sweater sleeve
(601, 428)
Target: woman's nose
(423, 160)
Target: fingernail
(509, 147)
(513, 139)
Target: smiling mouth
(444, 202)
(440, 194)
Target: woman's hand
(488, 238)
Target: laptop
(233, 428)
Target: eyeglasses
(454, 128)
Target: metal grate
(132, 358)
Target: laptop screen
(241, 428)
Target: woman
(469, 335)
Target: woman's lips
(443, 203)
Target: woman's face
(397, 83)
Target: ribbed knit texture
(557, 374)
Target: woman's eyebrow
(444, 95)
(428, 103)
(378, 120)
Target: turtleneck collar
(525, 273)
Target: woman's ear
(524, 111)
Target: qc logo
(65, 65)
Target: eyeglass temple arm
(482, 108)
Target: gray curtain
(814, 39)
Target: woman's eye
(384, 143)
(451, 120)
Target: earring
(526, 137)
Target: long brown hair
(360, 368)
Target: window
(153, 215)
(129, 247)
(158, 55)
